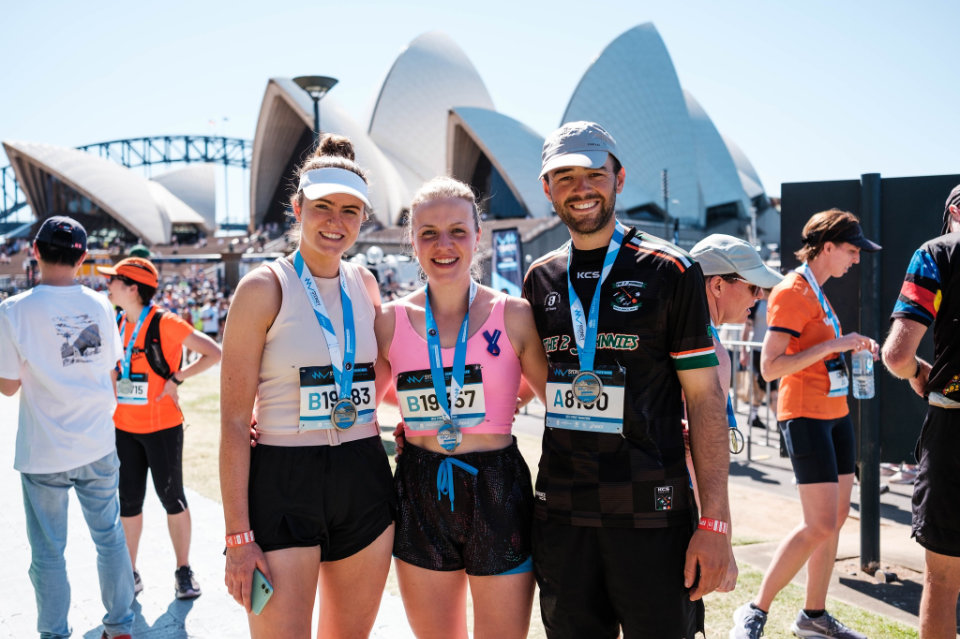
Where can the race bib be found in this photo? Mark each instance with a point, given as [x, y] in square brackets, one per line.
[132, 391]
[318, 395]
[564, 410]
[421, 409]
[839, 382]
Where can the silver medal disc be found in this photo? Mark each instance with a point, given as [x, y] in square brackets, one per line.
[449, 436]
[587, 387]
[344, 414]
[736, 441]
[124, 386]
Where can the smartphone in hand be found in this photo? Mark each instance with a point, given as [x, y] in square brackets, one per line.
[262, 591]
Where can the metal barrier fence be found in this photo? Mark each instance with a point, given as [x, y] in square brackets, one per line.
[729, 337]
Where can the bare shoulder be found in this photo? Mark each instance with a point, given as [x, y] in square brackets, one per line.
[370, 283]
[258, 294]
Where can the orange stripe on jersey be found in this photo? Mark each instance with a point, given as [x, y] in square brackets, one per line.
[542, 262]
[663, 254]
[693, 353]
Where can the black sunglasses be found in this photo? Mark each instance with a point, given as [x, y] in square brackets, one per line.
[754, 289]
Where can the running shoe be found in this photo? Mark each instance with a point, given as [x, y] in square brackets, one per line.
[186, 586]
[905, 475]
[756, 422]
[888, 469]
[824, 626]
[106, 636]
[137, 583]
[748, 622]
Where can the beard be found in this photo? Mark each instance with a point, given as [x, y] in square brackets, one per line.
[586, 225]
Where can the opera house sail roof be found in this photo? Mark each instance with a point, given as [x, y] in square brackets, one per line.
[59, 180]
[433, 115]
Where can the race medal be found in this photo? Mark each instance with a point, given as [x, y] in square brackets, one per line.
[420, 407]
[448, 402]
[124, 387]
[587, 387]
[449, 437]
[344, 414]
[736, 441]
[321, 408]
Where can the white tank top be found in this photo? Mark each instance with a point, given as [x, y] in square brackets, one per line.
[294, 340]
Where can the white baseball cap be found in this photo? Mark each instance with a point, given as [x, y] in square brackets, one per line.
[720, 254]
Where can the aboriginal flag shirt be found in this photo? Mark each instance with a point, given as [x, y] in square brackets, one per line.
[931, 295]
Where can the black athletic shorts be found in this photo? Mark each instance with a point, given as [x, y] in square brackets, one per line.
[479, 523]
[772, 385]
[596, 581]
[162, 453]
[820, 449]
[337, 497]
[936, 516]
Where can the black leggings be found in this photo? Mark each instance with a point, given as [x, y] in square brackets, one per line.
[162, 453]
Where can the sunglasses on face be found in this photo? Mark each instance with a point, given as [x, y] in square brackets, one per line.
[754, 289]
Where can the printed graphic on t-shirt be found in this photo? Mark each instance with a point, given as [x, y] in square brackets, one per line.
[81, 338]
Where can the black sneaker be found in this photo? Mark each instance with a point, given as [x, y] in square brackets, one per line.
[137, 583]
[758, 423]
[186, 586]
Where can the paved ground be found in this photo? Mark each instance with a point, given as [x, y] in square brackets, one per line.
[763, 500]
[160, 615]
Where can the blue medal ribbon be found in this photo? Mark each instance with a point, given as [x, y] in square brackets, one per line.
[731, 415]
[342, 364]
[128, 351]
[585, 328]
[804, 270]
[436, 355]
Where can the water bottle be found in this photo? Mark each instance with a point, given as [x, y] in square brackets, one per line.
[863, 387]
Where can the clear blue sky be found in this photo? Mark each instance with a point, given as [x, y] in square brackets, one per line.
[810, 90]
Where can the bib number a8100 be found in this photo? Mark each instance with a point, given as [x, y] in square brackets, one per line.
[603, 415]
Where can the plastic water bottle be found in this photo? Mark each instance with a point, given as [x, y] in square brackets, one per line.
[863, 386]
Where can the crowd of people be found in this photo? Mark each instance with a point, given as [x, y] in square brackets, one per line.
[628, 525]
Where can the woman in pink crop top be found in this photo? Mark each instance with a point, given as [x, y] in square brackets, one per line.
[311, 506]
[465, 500]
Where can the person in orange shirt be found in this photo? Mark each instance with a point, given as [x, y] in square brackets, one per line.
[148, 418]
[804, 348]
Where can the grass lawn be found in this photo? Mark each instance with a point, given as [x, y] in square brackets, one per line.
[200, 400]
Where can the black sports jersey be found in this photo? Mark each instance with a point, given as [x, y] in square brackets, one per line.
[931, 295]
[653, 321]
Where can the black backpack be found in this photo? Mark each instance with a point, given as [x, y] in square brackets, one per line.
[151, 347]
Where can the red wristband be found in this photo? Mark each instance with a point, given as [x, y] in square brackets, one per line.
[240, 539]
[714, 525]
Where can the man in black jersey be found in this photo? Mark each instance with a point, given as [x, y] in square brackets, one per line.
[930, 295]
[617, 544]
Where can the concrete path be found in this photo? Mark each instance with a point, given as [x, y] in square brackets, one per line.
[160, 615]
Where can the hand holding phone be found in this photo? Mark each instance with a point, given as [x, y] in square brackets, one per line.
[262, 591]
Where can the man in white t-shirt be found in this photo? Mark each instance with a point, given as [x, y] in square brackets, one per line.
[59, 346]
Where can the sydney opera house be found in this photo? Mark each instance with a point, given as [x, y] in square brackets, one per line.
[433, 115]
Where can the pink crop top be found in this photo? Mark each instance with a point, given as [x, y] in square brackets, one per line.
[501, 373]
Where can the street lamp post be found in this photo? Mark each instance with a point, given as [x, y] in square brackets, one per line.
[316, 86]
